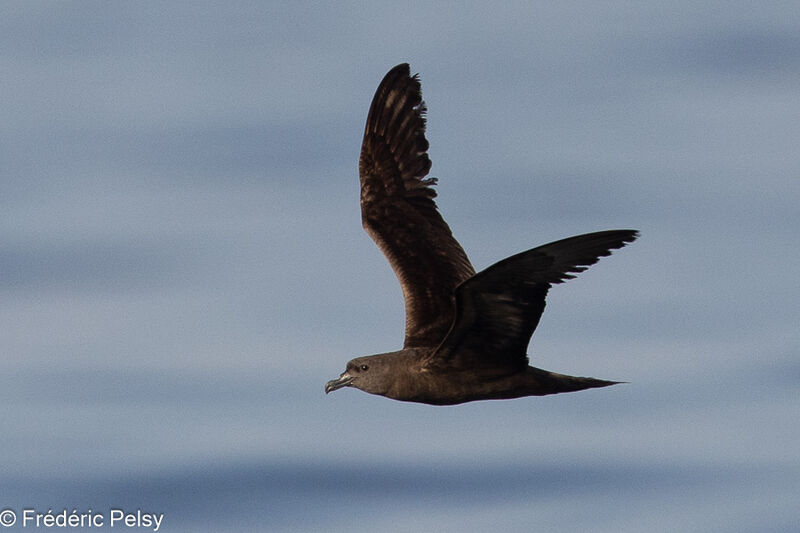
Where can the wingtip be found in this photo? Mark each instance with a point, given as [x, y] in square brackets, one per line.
[633, 234]
[623, 236]
[400, 70]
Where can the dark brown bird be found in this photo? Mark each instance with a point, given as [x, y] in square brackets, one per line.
[466, 334]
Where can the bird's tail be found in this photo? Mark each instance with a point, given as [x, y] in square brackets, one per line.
[543, 382]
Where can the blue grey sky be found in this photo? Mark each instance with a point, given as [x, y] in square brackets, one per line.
[182, 264]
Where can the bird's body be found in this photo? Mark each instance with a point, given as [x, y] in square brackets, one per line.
[408, 378]
[466, 334]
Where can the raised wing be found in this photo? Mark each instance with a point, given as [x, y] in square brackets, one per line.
[498, 309]
[399, 213]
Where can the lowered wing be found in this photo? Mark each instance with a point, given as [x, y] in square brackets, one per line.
[498, 309]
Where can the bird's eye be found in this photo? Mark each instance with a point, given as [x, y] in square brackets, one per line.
[364, 368]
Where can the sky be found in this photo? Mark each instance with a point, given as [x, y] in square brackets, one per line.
[182, 266]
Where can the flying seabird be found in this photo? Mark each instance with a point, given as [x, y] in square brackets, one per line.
[466, 334]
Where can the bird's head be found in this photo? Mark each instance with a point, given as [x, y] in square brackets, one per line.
[372, 373]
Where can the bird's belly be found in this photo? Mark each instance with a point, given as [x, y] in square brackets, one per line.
[456, 388]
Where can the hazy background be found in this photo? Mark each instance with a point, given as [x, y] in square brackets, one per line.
[182, 265]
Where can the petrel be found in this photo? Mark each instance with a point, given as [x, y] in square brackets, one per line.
[466, 334]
